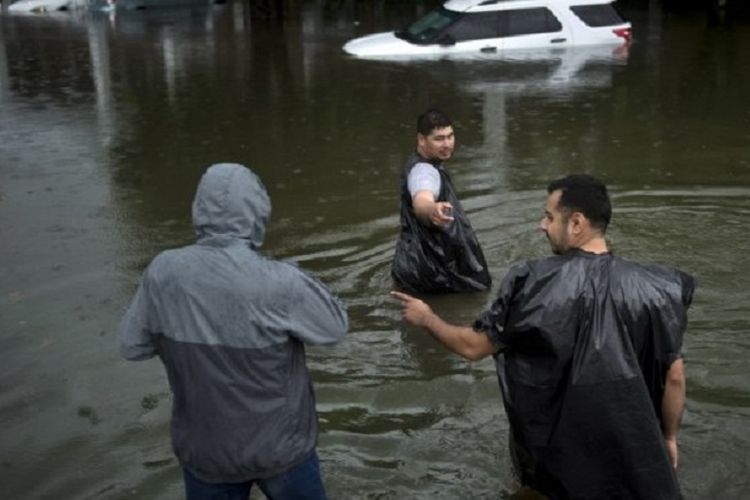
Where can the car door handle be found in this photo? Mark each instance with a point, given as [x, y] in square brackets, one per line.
[488, 49]
[558, 40]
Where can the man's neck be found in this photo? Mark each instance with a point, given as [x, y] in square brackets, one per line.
[596, 245]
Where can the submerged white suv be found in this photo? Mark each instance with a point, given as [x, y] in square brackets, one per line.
[465, 26]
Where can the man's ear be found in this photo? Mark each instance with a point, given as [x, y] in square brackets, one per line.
[577, 223]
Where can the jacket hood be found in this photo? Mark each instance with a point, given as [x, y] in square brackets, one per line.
[231, 201]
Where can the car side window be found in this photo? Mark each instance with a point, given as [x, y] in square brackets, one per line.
[475, 26]
[528, 21]
[597, 16]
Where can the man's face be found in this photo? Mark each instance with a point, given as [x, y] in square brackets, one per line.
[438, 145]
[555, 224]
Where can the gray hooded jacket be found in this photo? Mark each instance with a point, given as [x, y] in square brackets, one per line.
[230, 326]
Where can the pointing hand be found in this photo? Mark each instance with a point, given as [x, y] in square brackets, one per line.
[413, 310]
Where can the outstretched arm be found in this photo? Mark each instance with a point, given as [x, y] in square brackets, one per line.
[429, 211]
[672, 405]
[462, 340]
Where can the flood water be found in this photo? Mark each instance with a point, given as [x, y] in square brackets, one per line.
[107, 122]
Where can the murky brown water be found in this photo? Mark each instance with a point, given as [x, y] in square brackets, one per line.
[106, 124]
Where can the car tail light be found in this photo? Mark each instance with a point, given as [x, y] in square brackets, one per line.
[625, 33]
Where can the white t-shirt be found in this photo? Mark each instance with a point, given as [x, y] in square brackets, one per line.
[423, 177]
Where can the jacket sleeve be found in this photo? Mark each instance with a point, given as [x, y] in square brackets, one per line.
[135, 333]
[316, 316]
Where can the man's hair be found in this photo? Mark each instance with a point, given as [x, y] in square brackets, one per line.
[586, 194]
[432, 119]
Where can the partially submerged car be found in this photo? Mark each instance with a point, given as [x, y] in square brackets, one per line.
[39, 6]
[465, 26]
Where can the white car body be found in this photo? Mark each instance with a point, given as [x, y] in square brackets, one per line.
[38, 6]
[491, 26]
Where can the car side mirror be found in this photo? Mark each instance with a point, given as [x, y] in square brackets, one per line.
[446, 40]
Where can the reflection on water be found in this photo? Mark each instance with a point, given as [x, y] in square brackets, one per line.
[107, 121]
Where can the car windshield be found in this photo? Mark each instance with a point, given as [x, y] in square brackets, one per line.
[425, 29]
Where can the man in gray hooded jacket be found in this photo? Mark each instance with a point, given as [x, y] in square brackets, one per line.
[230, 327]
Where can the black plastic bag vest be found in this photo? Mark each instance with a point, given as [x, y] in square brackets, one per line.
[436, 259]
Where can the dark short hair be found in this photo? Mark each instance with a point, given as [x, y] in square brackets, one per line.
[432, 119]
[586, 194]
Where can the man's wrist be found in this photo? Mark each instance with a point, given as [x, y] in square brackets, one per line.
[428, 321]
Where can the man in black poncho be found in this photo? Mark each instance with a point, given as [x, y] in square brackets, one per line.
[437, 251]
[588, 349]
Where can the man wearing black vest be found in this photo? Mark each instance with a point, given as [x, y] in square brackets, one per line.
[437, 251]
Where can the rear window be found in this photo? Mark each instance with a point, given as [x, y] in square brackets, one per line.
[598, 15]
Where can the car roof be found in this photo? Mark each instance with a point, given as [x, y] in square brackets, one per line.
[463, 5]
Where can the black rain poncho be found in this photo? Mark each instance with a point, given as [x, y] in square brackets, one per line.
[434, 259]
[587, 341]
